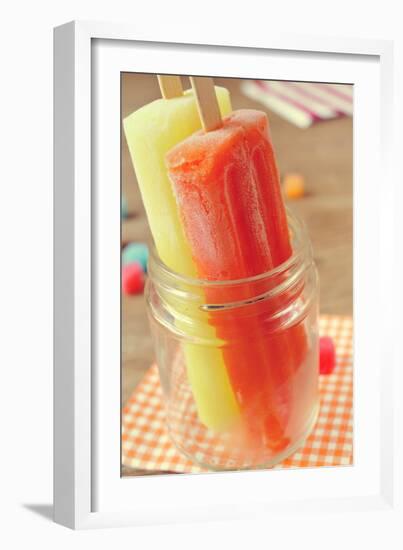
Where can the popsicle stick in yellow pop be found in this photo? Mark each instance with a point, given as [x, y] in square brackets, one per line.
[151, 132]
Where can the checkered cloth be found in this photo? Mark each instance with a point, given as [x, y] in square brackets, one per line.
[146, 444]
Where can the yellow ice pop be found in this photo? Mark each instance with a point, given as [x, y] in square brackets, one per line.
[150, 133]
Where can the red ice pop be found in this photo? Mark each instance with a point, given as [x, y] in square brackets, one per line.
[228, 192]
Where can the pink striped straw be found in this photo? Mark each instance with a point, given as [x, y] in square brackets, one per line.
[264, 85]
[310, 95]
[332, 91]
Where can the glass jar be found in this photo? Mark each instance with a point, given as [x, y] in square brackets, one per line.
[238, 360]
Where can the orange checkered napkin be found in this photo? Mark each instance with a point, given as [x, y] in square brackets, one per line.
[146, 444]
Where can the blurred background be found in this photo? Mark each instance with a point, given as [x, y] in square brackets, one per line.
[312, 132]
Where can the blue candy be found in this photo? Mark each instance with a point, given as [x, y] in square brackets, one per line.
[136, 252]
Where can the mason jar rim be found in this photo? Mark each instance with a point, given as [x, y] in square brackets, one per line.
[299, 249]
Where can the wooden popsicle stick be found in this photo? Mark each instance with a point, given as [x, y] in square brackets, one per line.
[170, 86]
[207, 103]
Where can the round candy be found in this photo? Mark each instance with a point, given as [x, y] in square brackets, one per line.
[136, 252]
[294, 186]
[124, 207]
[327, 355]
[132, 278]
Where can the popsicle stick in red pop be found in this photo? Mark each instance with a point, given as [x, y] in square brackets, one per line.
[207, 103]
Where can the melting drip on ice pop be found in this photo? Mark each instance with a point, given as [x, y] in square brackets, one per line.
[228, 193]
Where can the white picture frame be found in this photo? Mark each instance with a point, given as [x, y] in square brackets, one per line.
[88, 489]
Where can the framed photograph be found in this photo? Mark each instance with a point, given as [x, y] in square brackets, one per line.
[221, 249]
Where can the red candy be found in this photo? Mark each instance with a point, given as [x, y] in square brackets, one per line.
[327, 355]
[132, 278]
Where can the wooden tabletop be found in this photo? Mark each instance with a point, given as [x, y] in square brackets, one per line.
[322, 153]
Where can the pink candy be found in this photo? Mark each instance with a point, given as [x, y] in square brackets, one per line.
[327, 355]
[132, 278]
